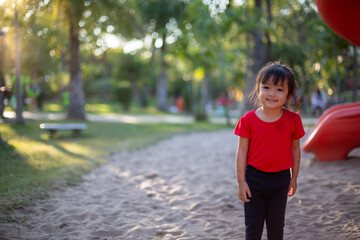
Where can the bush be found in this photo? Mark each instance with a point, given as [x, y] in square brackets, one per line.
[200, 114]
[124, 96]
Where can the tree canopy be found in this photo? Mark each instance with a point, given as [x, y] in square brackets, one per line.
[164, 49]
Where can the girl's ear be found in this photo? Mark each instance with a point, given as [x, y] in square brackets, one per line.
[288, 99]
[290, 95]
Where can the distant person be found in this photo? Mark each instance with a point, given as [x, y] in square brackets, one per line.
[221, 102]
[32, 92]
[318, 102]
[179, 102]
[268, 153]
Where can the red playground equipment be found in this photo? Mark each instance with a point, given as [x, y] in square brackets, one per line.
[336, 133]
[342, 16]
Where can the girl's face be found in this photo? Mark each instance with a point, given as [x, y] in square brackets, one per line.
[273, 96]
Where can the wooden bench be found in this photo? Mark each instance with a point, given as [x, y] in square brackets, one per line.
[54, 127]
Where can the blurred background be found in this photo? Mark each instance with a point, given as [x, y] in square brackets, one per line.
[195, 57]
[86, 60]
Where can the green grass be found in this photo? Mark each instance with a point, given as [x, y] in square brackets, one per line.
[32, 165]
[347, 95]
[104, 107]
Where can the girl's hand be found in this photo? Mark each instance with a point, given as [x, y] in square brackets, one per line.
[292, 187]
[243, 192]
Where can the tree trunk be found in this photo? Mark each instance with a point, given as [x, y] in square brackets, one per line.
[205, 90]
[355, 82]
[19, 100]
[161, 90]
[161, 83]
[338, 83]
[269, 48]
[200, 108]
[136, 91]
[2, 58]
[63, 60]
[259, 49]
[223, 85]
[1, 140]
[258, 55]
[76, 109]
[2, 80]
[249, 83]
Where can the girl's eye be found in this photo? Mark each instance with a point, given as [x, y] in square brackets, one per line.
[280, 90]
[265, 87]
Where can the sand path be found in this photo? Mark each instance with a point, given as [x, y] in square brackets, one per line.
[185, 188]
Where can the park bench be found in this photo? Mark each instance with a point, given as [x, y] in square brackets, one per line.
[54, 127]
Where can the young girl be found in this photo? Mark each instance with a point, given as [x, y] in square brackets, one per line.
[268, 154]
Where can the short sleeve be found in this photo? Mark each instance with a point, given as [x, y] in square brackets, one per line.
[242, 128]
[299, 129]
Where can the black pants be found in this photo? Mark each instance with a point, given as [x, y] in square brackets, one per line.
[267, 203]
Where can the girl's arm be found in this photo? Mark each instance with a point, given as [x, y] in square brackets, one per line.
[295, 169]
[241, 157]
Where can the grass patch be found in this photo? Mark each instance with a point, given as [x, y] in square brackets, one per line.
[32, 165]
[103, 107]
[53, 107]
[347, 95]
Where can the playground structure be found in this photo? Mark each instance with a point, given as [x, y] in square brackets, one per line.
[336, 133]
[342, 16]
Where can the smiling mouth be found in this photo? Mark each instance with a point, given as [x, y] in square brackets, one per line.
[271, 100]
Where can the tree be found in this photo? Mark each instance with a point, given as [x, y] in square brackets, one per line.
[226, 43]
[76, 108]
[160, 17]
[131, 70]
[93, 18]
[2, 79]
[2, 56]
[207, 26]
[259, 48]
[1, 140]
[249, 19]
[19, 100]
[198, 20]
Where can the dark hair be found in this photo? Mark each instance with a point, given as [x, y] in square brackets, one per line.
[275, 72]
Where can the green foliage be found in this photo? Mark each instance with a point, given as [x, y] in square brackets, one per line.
[292, 54]
[156, 14]
[198, 34]
[200, 114]
[124, 96]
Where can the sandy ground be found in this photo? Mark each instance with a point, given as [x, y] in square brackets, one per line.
[185, 188]
[131, 118]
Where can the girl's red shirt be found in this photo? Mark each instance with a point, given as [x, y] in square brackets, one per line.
[270, 143]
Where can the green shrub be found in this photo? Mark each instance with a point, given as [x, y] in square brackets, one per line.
[124, 96]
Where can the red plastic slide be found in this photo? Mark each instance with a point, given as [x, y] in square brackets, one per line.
[336, 133]
[342, 17]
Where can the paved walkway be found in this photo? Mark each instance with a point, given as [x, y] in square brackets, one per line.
[131, 118]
